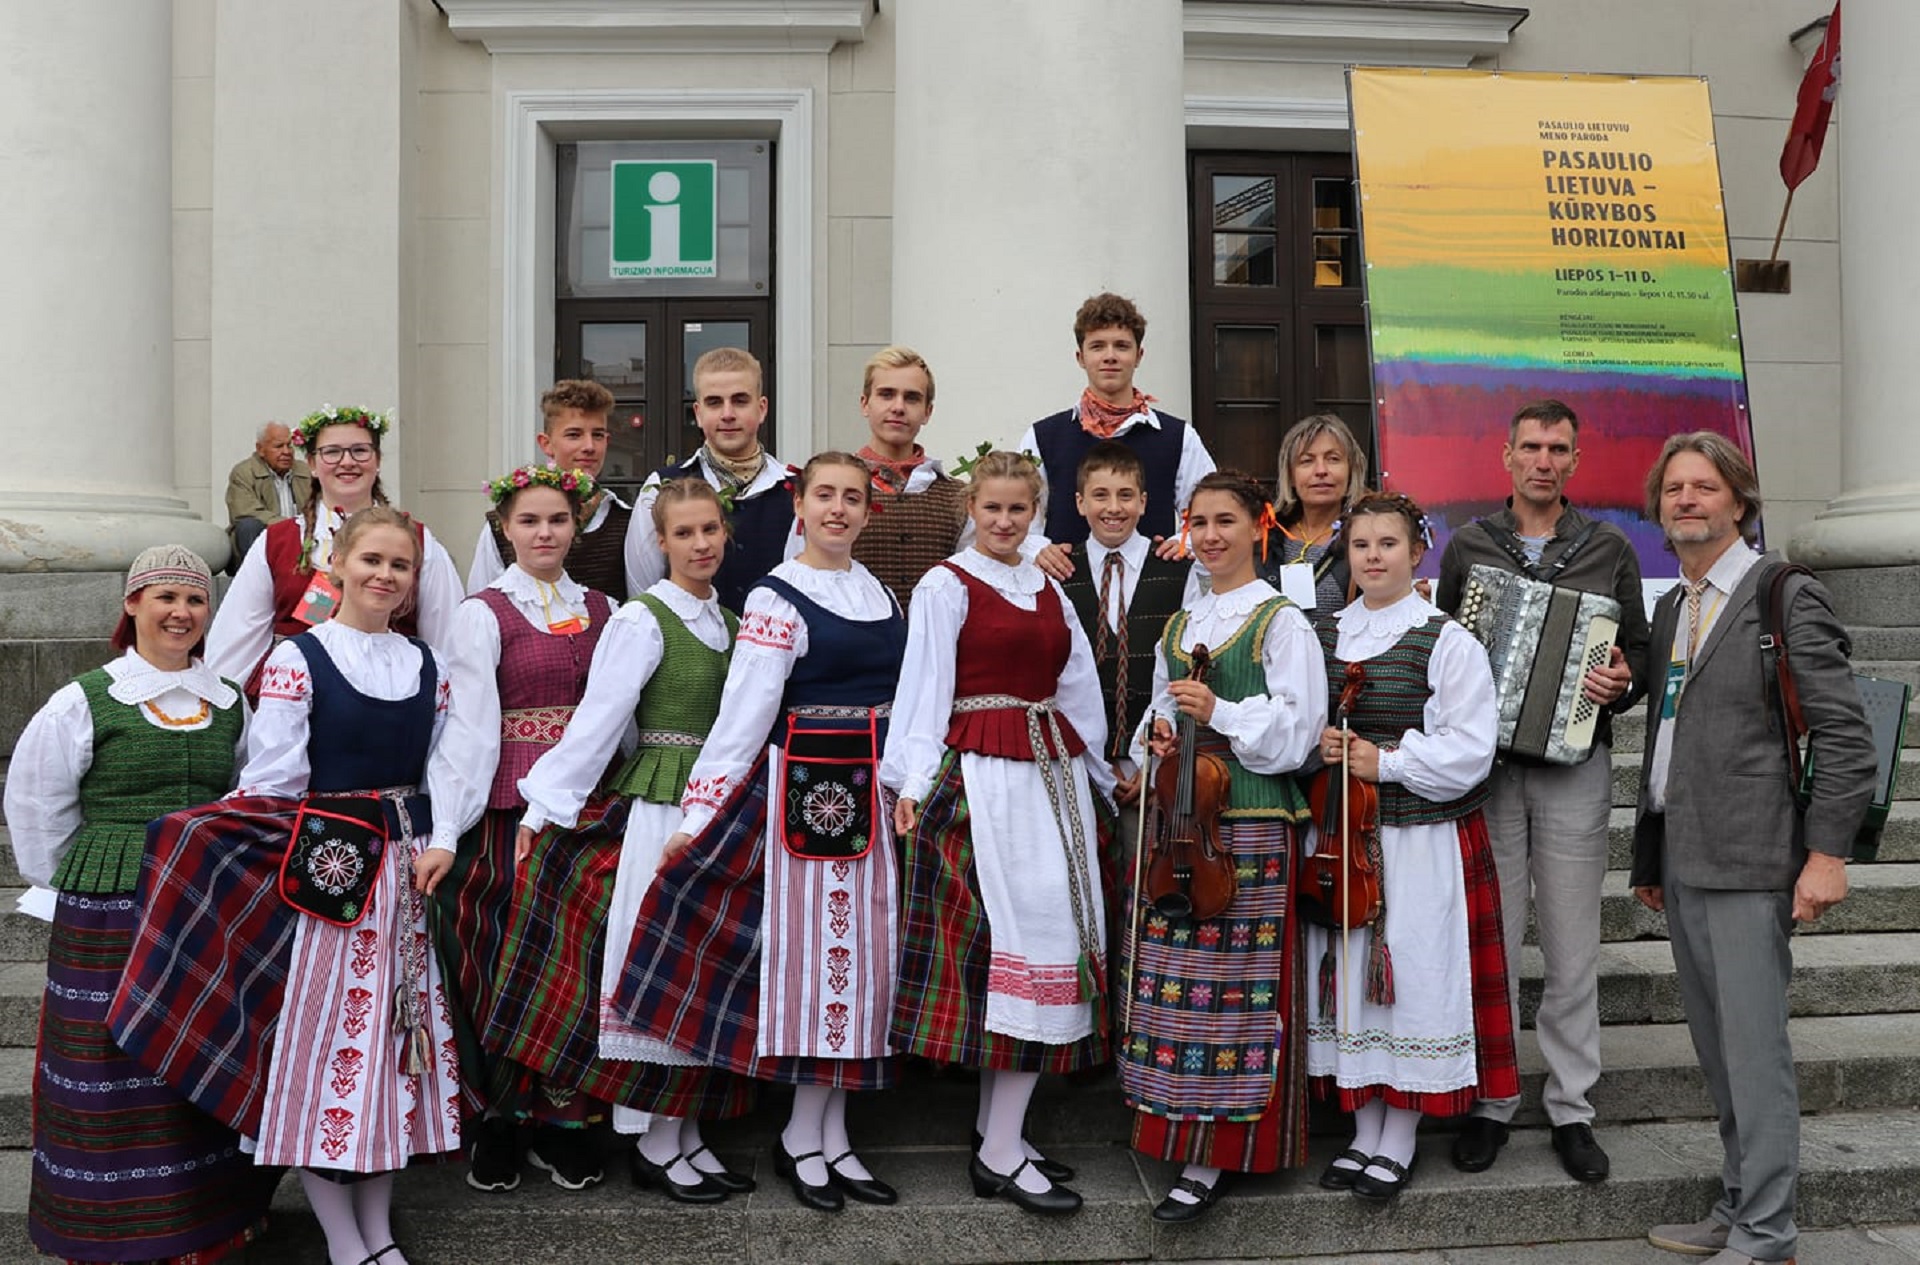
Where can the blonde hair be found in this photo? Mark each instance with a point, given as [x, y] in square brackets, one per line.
[729, 360]
[369, 518]
[896, 357]
[680, 492]
[1298, 438]
[1005, 465]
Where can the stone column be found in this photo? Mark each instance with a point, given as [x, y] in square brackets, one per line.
[86, 346]
[1873, 526]
[1039, 158]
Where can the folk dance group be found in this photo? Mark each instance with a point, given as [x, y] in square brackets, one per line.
[851, 778]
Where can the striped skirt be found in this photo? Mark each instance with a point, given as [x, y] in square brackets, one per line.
[124, 1169]
[940, 1002]
[693, 976]
[544, 1023]
[468, 917]
[1214, 1054]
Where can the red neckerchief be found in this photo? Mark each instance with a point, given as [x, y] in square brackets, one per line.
[896, 473]
[1097, 417]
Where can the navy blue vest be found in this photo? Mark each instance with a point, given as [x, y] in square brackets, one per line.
[358, 743]
[849, 662]
[760, 526]
[1063, 445]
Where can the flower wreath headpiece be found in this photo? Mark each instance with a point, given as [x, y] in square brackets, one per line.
[575, 483]
[308, 428]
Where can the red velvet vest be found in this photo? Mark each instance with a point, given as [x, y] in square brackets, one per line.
[290, 582]
[1005, 650]
[542, 678]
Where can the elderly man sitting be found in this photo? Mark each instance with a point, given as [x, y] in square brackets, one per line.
[268, 486]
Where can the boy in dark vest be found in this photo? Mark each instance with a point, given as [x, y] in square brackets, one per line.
[573, 437]
[1124, 594]
[920, 513]
[1111, 337]
[729, 404]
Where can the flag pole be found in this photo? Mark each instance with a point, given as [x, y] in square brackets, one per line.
[1781, 232]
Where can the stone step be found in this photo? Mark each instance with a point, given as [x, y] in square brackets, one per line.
[1858, 974]
[1899, 842]
[23, 938]
[1845, 1063]
[1884, 896]
[1626, 777]
[1857, 1169]
[1630, 729]
[1873, 644]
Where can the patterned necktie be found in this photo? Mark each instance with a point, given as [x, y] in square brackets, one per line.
[1695, 591]
[1113, 596]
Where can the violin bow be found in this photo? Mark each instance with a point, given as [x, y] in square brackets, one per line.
[1134, 904]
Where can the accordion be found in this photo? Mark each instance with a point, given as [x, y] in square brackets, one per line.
[1541, 639]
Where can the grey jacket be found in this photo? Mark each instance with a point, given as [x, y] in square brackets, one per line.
[1731, 822]
[1605, 565]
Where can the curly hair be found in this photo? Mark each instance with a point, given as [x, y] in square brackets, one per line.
[574, 393]
[1108, 311]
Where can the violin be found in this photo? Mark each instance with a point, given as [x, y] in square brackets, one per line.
[1339, 885]
[1191, 873]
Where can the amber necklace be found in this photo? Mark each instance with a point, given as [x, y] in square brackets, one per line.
[180, 722]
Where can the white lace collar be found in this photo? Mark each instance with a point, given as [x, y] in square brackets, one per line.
[684, 604]
[521, 587]
[136, 681]
[1410, 611]
[1023, 579]
[1235, 602]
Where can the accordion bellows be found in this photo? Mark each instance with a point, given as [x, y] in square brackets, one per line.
[1541, 640]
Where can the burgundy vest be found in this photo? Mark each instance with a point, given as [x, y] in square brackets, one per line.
[986, 663]
[282, 543]
[542, 678]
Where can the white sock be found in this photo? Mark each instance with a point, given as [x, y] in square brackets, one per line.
[332, 1206]
[1368, 1120]
[1001, 1147]
[373, 1209]
[1194, 1173]
[834, 1140]
[986, 1101]
[1396, 1141]
[805, 1127]
[660, 1144]
[691, 1142]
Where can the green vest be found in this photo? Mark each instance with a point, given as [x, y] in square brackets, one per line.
[676, 709]
[140, 771]
[1238, 673]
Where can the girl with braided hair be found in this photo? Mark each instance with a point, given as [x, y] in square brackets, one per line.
[1409, 1016]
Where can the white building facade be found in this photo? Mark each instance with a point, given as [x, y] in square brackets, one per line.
[221, 212]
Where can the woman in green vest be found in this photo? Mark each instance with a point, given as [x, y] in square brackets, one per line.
[1213, 1056]
[660, 665]
[124, 1168]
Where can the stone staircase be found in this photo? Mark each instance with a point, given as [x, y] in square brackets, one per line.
[1856, 1036]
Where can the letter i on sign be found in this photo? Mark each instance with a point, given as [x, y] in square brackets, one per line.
[664, 189]
[664, 219]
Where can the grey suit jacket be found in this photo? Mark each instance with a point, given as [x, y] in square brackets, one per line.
[1731, 821]
[250, 490]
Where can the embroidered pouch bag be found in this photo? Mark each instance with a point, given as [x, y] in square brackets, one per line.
[828, 791]
[334, 856]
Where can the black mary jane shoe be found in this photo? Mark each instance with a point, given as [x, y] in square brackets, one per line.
[1367, 1186]
[374, 1258]
[726, 1179]
[868, 1190]
[1054, 1201]
[650, 1176]
[1171, 1211]
[822, 1198]
[1335, 1177]
[1053, 1170]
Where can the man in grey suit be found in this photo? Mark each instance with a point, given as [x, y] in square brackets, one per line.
[1720, 842]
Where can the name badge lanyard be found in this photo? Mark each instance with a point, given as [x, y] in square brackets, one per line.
[573, 623]
[1695, 635]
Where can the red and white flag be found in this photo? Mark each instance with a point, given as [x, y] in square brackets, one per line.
[1808, 131]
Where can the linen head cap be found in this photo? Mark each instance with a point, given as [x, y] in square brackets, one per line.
[169, 564]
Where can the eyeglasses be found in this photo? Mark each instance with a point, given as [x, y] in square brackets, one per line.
[334, 454]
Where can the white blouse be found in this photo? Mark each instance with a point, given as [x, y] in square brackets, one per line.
[1273, 732]
[629, 653]
[55, 751]
[460, 775]
[380, 665]
[923, 705]
[1462, 720]
[243, 625]
[773, 637]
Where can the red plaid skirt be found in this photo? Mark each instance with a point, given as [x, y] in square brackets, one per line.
[203, 987]
[1499, 1069]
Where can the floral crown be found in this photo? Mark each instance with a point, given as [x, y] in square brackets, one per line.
[308, 428]
[575, 483]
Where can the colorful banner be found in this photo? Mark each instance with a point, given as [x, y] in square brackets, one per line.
[1543, 235]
